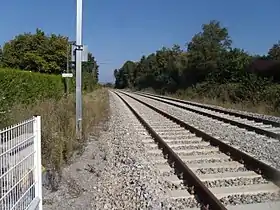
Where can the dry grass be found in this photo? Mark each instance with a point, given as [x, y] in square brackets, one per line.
[58, 124]
[260, 108]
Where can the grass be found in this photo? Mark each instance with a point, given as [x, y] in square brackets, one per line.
[260, 108]
[58, 124]
[266, 107]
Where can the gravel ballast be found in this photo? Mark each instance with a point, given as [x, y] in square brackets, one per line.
[153, 119]
[263, 116]
[114, 171]
[261, 147]
[223, 115]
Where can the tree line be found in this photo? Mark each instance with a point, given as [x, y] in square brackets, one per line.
[209, 56]
[210, 67]
[43, 53]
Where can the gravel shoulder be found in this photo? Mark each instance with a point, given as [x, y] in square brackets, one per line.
[113, 172]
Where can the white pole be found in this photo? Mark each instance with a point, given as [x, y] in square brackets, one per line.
[78, 70]
[37, 160]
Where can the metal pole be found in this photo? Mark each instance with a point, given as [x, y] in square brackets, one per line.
[78, 70]
[67, 69]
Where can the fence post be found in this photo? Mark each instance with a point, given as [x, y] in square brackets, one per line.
[38, 161]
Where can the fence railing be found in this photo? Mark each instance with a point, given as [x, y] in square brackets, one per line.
[20, 166]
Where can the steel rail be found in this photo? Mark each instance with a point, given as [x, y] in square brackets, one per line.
[206, 197]
[229, 112]
[232, 122]
[269, 172]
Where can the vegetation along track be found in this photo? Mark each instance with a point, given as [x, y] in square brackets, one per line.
[208, 173]
[259, 125]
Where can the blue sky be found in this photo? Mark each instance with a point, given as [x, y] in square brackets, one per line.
[120, 30]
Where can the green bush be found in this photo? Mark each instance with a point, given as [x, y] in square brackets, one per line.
[24, 87]
[88, 82]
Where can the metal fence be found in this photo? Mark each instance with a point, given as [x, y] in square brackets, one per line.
[20, 166]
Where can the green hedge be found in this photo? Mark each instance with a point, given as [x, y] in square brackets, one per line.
[24, 87]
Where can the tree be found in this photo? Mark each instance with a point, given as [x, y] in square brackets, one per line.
[90, 73]
[209, 59]
[233, 68]
[119, 79]
[129, 72]
[91, 67]
[108, 85]
[46, 54]
[36, 52]
[274, 52]
[1, 55]
[205, 50]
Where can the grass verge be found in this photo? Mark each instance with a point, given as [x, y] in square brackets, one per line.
[58, 124]
[260, 107]
[266, 101]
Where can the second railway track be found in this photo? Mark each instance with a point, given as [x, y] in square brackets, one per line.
[259, 125]
[208, 172]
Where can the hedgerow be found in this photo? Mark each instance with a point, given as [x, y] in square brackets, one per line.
[25, 87]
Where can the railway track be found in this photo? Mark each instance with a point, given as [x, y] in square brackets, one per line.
[256, 124]
[201, 171]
